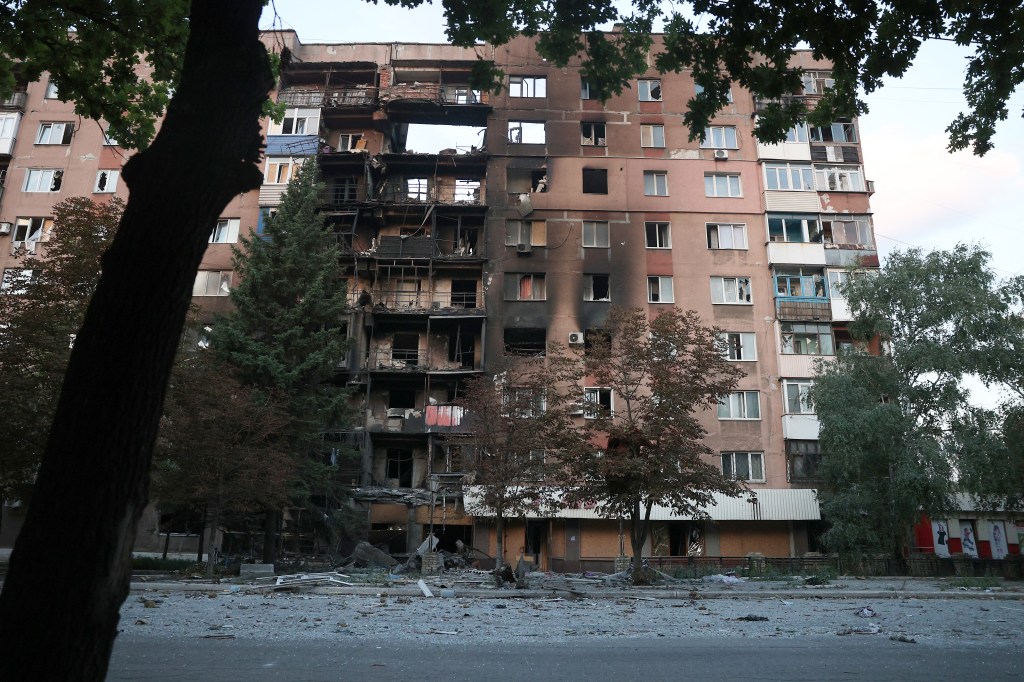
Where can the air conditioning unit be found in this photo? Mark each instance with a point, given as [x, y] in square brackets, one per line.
[576, 338]
[524, 248]
[5, 228]
[722, 154]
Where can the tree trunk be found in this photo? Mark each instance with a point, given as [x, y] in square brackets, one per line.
[167, 543]
[639, 528]
[499, 557]
[202, 538]
[92, 484]
[212, 530]
[270, 523]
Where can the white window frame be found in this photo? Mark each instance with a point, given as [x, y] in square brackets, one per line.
[731, 291]
[720, 137]
[212, 283]
[655, 183]
[279, 170]
[598, 134]
[725, 185]
[740, 406]
[35, 178]
[649, 90]
[527, 86]
[737, 236]
[51, 90]
[788, 177]
[816, 82]
[862, 226]
[298, 121]
[585, 90]
[592, 396]
[538, 288]
[658, 231]
[839, 178]
[698, 89]
[810, 228]
[417, 189]
[109, 185]
[790, 331]
[731, 471]
[28, 232]
[225, 231]
[652, 135]
[596, 234]
[15, 277]
[660, 289]
[526, 132]
[739, 346]
[588, 288]
[839, 131]
[55, 133]
[797, 134]
[797, 391]
[347, 141]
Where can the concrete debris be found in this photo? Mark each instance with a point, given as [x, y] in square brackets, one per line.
[871, 629]
[903, 638]
[753, 618]
[724, 579]
[424, 589]
[366, 554]
[865, 612]
[307, 580]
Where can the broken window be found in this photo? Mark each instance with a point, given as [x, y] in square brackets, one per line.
[298, 121]
[596, 288]
[806, 338]
[592, 134]
[730, 290]
[597, 402]
[526, 233]
[399, 467]
[461, 94]
[592, 337]
[15, 281]
[30, 231]
[652, 135]
[720, 137]
[743, 466]
[524, 402]
[794, 228]
[461, 347]
[467, 191]
[797, 133]
[345, 190]
[106, 181]
[816, 82]
[51, 90]
[789, 176]
[527, 86]
[658, 235]
[55, 133]
[840, 131]
[839, 178]
[43, 180]
[798, 396]
[739, 346]
[722, 185]
[699, 89]
[804, 458]
[727, 236]
[524, 287]
[225, 231]
[656, 183]
[800, 282]
[405, 349]
[852, 230]
[528, 342]
[525, 132]
[417, 189]
[212, 283]
[349, 142]
[279, 170]
[649, 90]
[595, 234]
[464, 293]
[740, 405]
[659, 290]
[585, 89]
[595, 181]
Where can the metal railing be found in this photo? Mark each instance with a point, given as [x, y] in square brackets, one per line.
[442, 194]
[339, 98]
[433, 92]
[421, 301]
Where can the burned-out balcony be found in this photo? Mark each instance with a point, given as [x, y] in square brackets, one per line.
[420, 302]
[423, 191]
[441, 418]
[412, 360]
[361, 96]
[342, 192]
[417, 102]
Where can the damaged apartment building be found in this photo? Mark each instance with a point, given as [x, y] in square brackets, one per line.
[560, 206]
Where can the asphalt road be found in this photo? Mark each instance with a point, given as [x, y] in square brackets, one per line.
[151, 658]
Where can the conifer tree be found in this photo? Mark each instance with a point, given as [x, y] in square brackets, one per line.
[284, 334]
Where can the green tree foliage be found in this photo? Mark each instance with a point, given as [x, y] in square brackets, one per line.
[662, 373]
[41, 314]
[898, 428]
[285, 334]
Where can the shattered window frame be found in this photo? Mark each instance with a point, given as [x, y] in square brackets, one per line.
[593, 284]
[649, 89]
[731, 291]
[527, 86]
[660, 289]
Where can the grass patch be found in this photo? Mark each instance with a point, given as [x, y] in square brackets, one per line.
[972, 583]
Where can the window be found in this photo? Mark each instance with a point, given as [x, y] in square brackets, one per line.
[585, 89]
[658, 235]
[596, 288]
[649, 90]
[55, 133]
[417, 189]
[797, 133]
[652, 135]
[467, 190]
[524, 402]
[794, 228]
[804, 458]
[854, 230]
[15, 281]
[279, 170]
[656, 183]
[597, 402]
[730, 290]
[798, 396]
[592, 134]
[659, 290]
[212, 283]
[806, 338]
[720, 137]
[225, 231]
[595, 181]
[595, 234]
[789, 176]
[109, 140]
[837, 132]
[740, 405]
[527, 342]
[727, 236]
[816, 82]
[524, 287]
[739, 346]
[722, 185]
[30, 231]
[699, 89]
[525, 132]
[839, 178]
[743, 466]
[51, 90]
[349, 141]
[43, 180]
[800, 282]
[399, 466]
[106, 181]
[298, 122]
[526, 233]
[527, 86]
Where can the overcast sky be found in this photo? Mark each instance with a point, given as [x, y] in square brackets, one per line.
[924, 196]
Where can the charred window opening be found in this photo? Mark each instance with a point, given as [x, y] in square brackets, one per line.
[595, 181]
[598, 337]
[592, 134]
[399, 467]
[526, 342]
[402, 399]
[405, 348]
[463, 293]
[461, 347]
[596, 288]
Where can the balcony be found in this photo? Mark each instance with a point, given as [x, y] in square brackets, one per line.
[419, 302]
[455, 95]
[331, 99]
[17, 101]
[465, 193]
[343, 193]
[443, 418]
[389, 359]
[800, 426]
[435, 103]
[803, 253]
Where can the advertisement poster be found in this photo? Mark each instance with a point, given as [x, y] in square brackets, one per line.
[998, 542]
[967, 540]
[940, 538]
